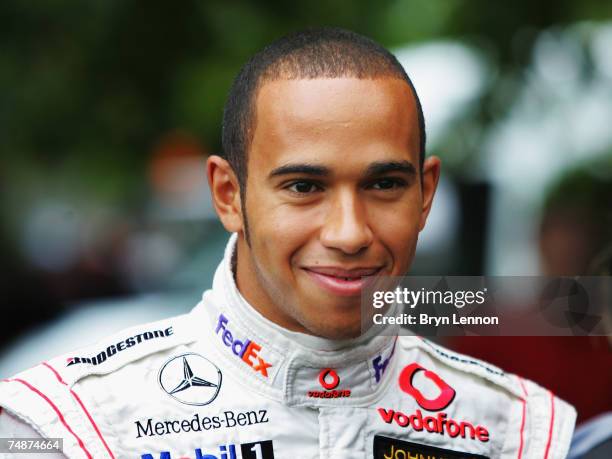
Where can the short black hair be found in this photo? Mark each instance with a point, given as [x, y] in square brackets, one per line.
[312, 53]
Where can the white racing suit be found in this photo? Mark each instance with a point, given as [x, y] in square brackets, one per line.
[222, 382]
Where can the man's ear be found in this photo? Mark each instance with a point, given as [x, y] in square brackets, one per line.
[225, 192]
[430, 177]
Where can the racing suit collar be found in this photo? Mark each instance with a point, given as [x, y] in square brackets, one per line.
[297, 368]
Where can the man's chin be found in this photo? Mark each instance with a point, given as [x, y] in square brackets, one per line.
[336, 329]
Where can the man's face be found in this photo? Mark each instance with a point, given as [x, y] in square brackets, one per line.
[333, 195]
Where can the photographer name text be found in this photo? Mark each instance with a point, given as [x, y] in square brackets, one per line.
[426, 319]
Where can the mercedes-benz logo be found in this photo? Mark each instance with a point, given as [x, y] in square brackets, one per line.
[190, 379]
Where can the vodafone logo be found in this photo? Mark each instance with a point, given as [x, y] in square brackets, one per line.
[329, 379]
[447, 393]
[442, 423]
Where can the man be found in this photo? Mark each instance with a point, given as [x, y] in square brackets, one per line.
[324, 185]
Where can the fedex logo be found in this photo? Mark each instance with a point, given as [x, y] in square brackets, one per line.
[246, 350]
[380, 365]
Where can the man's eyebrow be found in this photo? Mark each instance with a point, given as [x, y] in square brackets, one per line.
[307, 169]
[384, 167]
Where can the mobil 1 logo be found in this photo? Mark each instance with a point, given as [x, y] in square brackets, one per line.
[255, 450]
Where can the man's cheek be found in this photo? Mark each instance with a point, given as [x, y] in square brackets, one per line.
[399, 231]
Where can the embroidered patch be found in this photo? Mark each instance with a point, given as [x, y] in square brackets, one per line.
[392, 448]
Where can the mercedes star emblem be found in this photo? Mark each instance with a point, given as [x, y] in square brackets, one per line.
[190, 379]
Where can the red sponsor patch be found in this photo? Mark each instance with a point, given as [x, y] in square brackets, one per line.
[329, 380]
[440, 424]
[447, 393]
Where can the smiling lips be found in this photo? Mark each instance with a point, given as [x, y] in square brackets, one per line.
[339, 281]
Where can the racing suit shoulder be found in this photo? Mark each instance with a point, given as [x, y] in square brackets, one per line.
[44, 397]
[463, 363]
[545, 423]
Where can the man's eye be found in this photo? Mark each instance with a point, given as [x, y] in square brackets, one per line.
[388, 184]
[303, 187]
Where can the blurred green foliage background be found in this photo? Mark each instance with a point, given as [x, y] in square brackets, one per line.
[94, 93]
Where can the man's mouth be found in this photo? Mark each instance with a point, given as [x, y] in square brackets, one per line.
[341, 281]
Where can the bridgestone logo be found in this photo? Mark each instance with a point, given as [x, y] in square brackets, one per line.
[121, 346]
[227, 419]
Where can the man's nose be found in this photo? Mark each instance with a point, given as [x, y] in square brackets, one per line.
[346, 227]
